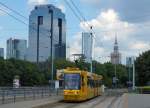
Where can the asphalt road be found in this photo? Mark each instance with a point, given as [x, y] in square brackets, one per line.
[138, 100]
[98, 102]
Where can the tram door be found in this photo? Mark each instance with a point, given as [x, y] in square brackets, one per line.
[84, 85]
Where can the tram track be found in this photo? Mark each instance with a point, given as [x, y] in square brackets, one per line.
[112, 103]
[57, 104]
[99, 102]
[61, 104]
[88, 103]
[49, 105]
[107, 101]
[92, 103]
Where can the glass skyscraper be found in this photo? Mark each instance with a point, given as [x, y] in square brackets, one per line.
[2, 52]
[16, 48]
[46, 22]
[87, 41]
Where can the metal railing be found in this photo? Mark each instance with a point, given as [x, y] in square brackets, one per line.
[115, 92]
[9, 94]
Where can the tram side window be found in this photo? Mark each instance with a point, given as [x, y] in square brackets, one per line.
[99, 83]
[82, 81]
[93, 83]
[96, 83]
[90, 83]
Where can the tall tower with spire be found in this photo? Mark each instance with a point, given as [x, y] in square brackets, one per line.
[116, 55]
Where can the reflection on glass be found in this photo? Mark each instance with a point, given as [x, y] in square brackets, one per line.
[72, 81]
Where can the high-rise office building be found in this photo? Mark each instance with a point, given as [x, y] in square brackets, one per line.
[129, 61]
[115, 55]
[87, 41]
[46, 22]
[2, 52]
[16, 48]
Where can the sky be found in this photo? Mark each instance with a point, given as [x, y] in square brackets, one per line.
[129, 20]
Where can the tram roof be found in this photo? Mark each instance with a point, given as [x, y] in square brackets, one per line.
[77, 70]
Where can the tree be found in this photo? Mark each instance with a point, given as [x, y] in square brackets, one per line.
[142, 68]
[28, 72]
[31, 74]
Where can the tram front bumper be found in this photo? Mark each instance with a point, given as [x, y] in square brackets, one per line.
[73, 98]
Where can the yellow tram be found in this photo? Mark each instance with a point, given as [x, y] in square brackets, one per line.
[81, 85]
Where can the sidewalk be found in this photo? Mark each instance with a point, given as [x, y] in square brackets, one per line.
[32, 103]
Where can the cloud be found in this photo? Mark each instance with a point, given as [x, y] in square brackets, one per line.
[62, 7]
[75, 45]
[139, 45]
[37, 2]
[91, 2]
[106, 26]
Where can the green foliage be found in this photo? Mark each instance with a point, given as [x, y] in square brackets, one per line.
[142, 68]
[62, 64]
[107, 70]
[31, 74]
[27, 72]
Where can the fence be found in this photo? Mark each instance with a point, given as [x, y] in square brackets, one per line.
[115, 92]
[9, 95]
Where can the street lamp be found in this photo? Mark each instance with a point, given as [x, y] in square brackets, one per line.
[133, 63]
[51, 42]
[92, 47]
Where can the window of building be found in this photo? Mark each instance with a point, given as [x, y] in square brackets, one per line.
[60, 30]
[40, 20]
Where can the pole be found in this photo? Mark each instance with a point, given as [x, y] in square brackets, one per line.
[51, 37]
[37, 56]
[129, 73]
[133, 87]
[115, 75]
[115, 70]
[91, 50]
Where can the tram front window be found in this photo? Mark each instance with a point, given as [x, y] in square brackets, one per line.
[72, 81]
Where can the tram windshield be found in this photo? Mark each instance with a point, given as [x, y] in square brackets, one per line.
[72, 81]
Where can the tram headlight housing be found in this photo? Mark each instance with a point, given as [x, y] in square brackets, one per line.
[65, 93]
[76, 92]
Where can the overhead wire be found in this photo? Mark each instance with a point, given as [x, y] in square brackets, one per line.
[13, 11]
[74, 12]
[84, 19]
[136, 18]
[13, 17]
[17, 19]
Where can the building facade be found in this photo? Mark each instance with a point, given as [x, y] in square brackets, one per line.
[2, 52]
[129, 61]
[116, 55]
[16, 48]
[87, 41]
[47, 33]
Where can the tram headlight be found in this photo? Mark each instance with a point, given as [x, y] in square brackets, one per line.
[65, 93]
[76, 92]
